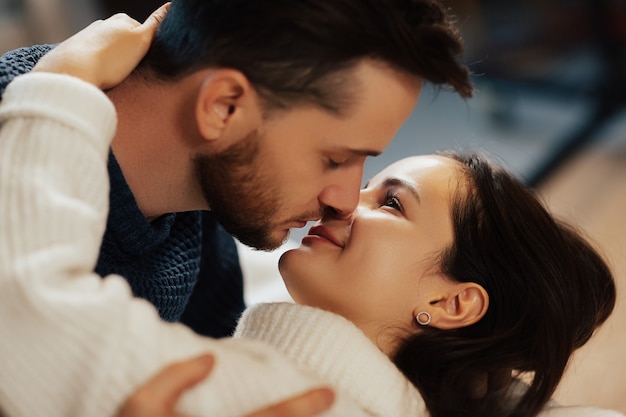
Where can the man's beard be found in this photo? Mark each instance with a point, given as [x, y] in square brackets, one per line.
[241, 197]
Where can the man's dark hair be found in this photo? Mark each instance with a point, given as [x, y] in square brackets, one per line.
[294, 51]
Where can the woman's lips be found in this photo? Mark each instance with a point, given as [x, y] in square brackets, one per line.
[326, 234]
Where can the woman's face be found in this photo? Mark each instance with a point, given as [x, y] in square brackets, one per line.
[378, 268]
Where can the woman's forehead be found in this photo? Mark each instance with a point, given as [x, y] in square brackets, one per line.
[418, 167]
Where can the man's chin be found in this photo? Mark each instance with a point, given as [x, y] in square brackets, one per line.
[267, 242]
[275, 240]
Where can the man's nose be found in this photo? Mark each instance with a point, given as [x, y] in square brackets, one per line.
[342, 197]
[330, 213]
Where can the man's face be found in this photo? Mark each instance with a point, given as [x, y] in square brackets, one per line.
[305, 160]
[376, 267]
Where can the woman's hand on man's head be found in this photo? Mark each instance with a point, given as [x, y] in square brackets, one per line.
[106, 51]
[159, 396]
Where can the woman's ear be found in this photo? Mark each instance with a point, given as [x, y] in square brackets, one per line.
[222, 96]
[463, 304]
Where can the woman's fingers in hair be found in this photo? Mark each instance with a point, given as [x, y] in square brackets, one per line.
[154, 20]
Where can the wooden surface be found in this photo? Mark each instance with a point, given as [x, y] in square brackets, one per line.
[590, 191]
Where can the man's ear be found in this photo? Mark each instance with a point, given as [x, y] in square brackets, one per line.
[221, 101]
[463, 304]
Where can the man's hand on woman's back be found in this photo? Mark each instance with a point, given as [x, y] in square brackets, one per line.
[158, 397]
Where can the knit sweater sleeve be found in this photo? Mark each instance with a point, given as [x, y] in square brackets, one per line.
[72, 344]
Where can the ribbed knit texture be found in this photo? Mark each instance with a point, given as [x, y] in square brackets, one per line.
[338, 351]
[19, 61]
[161, 260]
[36, 243]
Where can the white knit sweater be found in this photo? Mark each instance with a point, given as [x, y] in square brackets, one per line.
[73, 344]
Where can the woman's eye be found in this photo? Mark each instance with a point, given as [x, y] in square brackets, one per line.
[392, 201]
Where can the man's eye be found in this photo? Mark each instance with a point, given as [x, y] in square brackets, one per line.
[333, 164]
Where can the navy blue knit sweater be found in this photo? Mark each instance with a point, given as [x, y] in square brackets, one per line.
[183, 263]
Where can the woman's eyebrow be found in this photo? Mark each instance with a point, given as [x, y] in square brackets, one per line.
[399, 182]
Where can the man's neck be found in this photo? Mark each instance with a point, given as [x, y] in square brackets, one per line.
[155, 125]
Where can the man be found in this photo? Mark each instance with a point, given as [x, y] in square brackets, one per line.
[262, 113]
[254, 111]
[257, 115]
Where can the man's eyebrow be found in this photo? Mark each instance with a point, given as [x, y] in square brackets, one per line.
[399, 182]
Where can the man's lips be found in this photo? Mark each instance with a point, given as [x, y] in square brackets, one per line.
[326, 234]
[299, 224]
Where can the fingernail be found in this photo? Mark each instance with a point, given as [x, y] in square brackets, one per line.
[206, 360]
[326, 397]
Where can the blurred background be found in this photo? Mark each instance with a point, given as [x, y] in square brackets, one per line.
[550, 106]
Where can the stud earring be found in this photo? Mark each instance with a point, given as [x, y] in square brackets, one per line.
[423, 318]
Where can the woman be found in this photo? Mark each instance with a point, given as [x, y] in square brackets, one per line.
[457, 272]
[448, 277]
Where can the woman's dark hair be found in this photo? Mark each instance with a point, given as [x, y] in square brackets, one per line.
[296, 51]
[548, 291]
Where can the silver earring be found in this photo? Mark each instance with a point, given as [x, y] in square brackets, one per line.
[423, 318]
